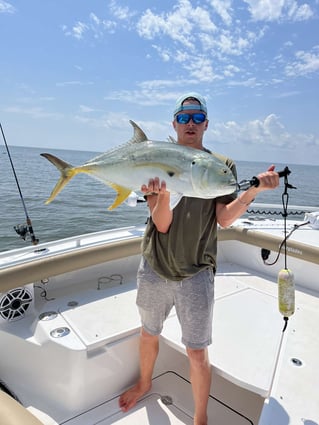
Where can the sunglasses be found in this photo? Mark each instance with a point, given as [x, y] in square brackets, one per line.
[197, 118]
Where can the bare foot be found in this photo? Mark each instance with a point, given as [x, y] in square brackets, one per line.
[130, 397]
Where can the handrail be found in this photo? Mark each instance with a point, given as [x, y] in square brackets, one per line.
[272, 242]
[53, 265]
[48, 265]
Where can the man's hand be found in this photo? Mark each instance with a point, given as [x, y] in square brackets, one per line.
[268, 180]
[158, 200]
[154, 187]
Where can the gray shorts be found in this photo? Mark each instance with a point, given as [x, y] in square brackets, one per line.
[193, 299]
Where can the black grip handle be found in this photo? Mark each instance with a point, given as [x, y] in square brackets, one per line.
[283, 173]
[246, 184]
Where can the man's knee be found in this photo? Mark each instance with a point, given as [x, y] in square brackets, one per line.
[148, 336]
[198, 357]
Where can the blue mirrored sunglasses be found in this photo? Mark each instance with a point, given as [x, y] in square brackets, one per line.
[197, 118]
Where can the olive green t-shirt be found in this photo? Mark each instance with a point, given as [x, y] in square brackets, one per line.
[190, 245]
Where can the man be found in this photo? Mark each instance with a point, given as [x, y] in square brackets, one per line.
[179, 262]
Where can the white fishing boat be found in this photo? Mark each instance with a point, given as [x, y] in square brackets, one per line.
[69, 331]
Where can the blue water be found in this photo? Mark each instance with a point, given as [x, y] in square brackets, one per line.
[82, 205]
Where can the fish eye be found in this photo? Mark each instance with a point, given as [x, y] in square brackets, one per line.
[194, 162]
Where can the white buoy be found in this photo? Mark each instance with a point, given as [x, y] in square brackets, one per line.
[286, 292]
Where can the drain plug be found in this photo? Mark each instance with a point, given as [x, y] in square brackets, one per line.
[167, 400]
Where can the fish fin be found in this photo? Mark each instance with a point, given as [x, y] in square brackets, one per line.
[174, 199]
[122, 194]
[67, 172]
[139, 135]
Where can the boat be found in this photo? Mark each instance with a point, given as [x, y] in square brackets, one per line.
[69, 331]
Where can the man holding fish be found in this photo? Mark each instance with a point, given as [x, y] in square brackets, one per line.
[179, 261]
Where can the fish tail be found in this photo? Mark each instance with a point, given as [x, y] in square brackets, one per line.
[67, 172]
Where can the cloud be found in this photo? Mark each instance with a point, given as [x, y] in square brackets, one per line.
[268, 132]
[201, 40]
[6, 7]
[274, 10]
[94, 26]
[86, 109]
[250, 82]
[119, 12]
[77, 31]
[223, 9]
[306, 63]
[73, 83]
[33, 112]
[181, 25]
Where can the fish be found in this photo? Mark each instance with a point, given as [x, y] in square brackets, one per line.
[186, 171]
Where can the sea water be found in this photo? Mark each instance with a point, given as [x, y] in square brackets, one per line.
[82, 205]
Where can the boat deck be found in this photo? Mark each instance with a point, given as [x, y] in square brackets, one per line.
[169, 402]
[252, 359]
[249, 350]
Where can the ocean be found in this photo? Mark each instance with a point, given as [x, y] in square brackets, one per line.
[82, 205]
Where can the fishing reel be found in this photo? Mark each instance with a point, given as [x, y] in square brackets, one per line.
[25, 232]
[22, 230]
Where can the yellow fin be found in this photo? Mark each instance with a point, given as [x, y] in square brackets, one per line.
[67, 172]
[122, 194]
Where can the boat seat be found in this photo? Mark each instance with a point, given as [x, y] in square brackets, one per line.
[247, 329]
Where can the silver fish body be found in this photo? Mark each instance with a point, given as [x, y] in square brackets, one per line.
[186, 171]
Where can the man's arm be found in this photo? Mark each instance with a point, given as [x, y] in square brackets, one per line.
[227, 213]
[158, 200]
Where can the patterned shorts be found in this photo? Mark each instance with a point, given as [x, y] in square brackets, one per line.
[193, 299]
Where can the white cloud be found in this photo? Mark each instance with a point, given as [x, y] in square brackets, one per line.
[195, 40]
[231, 70]
[268, 132]
[250, 82]
[201, 68]
[274, 10]
[33, 112]
[305, 63]
[265, 10]
[77, 30]
[94, 25]
[303, 13]
[223, 9]
[6, 7]
[181, 25]
[86, 109]
[163, 52]
[119, 12]
[73, 83]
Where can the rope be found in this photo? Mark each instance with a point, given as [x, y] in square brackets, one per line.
[267, 212]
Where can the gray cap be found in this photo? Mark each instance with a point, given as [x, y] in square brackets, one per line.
[180, 107]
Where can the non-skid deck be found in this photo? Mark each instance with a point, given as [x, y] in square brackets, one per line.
[168, 403]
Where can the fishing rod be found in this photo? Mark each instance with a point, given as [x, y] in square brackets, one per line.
[20, 229]
[254, 181]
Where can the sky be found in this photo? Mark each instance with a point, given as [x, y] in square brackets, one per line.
[74, 72]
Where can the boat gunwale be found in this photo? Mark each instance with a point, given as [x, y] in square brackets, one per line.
[53, 264]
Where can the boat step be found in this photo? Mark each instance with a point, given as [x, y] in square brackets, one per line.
[169, 402]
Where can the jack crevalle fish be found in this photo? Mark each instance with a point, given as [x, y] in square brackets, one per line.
[186, 171]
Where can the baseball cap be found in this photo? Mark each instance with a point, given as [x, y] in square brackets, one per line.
[180, 107]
